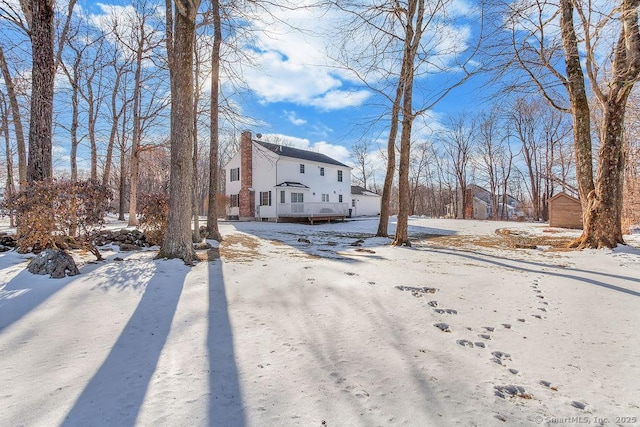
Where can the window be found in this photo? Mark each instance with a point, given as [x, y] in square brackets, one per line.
[339, 198]
[321, 171]
[325, 197]
[339, 176]
[234, 174]
[301, 168]
[282, 196]
[234, 200]
[297, 197]
[353, 203]
[265, 198]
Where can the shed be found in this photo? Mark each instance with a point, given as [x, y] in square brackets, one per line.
[565, 211]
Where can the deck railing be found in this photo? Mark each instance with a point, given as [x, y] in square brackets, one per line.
[313, 209]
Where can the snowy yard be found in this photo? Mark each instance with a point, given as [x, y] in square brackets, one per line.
[298, 325]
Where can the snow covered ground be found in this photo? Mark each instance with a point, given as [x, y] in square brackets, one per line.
[293, 324]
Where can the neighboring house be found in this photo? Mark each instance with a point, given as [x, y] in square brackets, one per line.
[268, 182]
[482, 208]
[478, 205]
[565, 211]
[364, 202]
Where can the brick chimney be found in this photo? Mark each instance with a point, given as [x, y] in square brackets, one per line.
[247, 194]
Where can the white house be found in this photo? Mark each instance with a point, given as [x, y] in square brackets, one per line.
[364, 202]
[268, 182]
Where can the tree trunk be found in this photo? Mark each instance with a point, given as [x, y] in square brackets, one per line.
[135, 140]
[413, 36]
[213, 231]
[40, 165]
[17, 121]
[602, 220]
[195, 202]
[115, 121]
[602, 201]
[92, 118]
[177, 241]
[580, 110]
[123, 186]
[74, 126]
[10, 187]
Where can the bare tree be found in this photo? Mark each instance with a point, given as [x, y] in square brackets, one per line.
[457, 142]
[16, 118]
[540, 51]
[214, 142]
[490, 148]
[141, 37]
[361, 154]
[4, 126]
[407, 45]
[178, 239]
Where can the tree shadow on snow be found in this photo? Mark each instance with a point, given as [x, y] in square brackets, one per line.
[115, 394]
[535, 268]
[225, 401]
[26, 291]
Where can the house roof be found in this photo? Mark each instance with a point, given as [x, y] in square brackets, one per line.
[361, 191]
[485, 195]
[564, 195]
[297, 153]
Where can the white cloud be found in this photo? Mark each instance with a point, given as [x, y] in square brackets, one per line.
[336, 99]
[291, 65]
[293, 118]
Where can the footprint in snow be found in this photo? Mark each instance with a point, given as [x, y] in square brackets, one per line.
[418, 292]
[433, 303]
[485, 336]
[465, 343]
[489, 328]
[548, 385]
[499, 357]
[504, 391]
[578, 405]
[445, 311]
[443, 327]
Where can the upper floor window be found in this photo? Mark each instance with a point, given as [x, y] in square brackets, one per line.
[301, 168]
[339, 176]
[321, 171]
[340, 198]
[325, 197]
[234, 174]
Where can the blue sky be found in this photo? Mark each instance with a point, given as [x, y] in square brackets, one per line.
[299, 96]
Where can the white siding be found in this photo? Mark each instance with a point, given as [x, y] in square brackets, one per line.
[232, 187]
[270, 169]
[265, 164]
[365, 205]
[289, 170]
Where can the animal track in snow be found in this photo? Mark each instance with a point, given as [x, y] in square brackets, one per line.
[504, 391]
[418, 292]
[443, 327]
[445, 311]
[499, 357]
